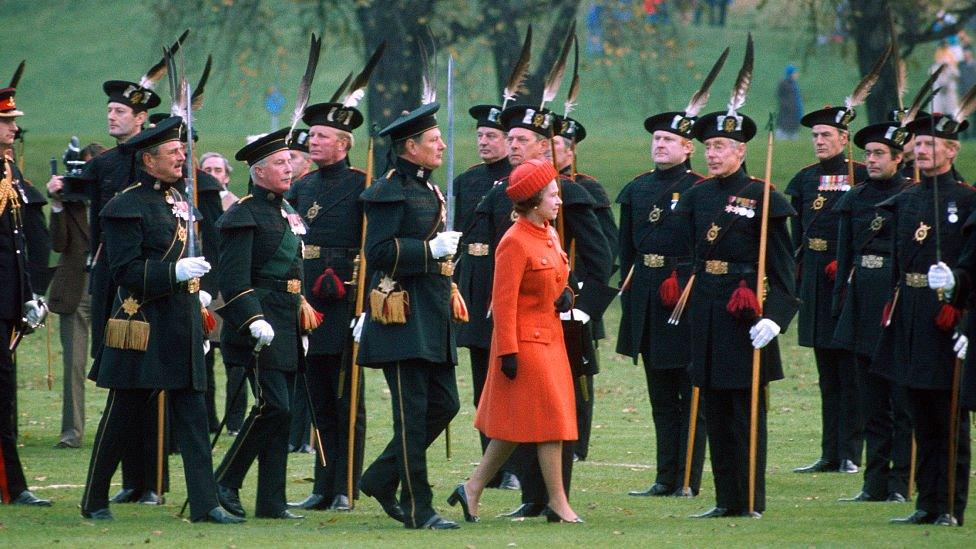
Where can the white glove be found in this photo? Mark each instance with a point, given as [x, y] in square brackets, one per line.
[262, 332]
[941, 278]
[206, 346]
[305, 344]
[205, 298]
[35, 311]
[357, 327]
[961, 346]
[444, 244]
[191, 267]
[576, 315]
[763, 332]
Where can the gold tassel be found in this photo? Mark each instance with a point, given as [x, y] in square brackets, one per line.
[397, 307]
[459, 310]
[310, 318]
[376, 300]
[679, 307]
[137, 336]
[115, 333]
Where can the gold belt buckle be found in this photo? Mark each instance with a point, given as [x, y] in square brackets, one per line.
[312, 252]
[917, 280]
[716, 267]
[447, 268]
[294, 286]
[478, 249]
[653, 261]
[193, 285]
[817, 244]
[872, 261]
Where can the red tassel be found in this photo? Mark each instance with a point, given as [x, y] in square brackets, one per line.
[886, 314]
[831, 270]
[209, 322]
[743, 305]
[309, 318]
[947, 318]
[459, 310]
[328, 286]
[670, 291]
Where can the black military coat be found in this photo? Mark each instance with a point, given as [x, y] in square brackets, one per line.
[107, 173]
[25, 247]
[260, 278]
[604, 214]
[654, 241]
[328, 201]
[144, 234]
[404, 210]
[208, 202]
[814, 192]
[919, 353]
[724, 219]
[965, 274]
[863, 282]
[474, 266]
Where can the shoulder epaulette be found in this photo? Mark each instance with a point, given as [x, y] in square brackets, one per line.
[648, 172]
[244, 198]
[473, 166]
[357, 170]
[130, 187]
[811, 165]
[390, 173]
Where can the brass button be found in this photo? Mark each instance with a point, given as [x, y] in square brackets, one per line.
[549, 243]
[536, 335]
[545, 261]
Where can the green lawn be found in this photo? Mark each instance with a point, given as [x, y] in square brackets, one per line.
[69, 54]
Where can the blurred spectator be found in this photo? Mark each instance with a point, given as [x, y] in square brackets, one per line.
[790, 105]
[715, 9]
[947, 100]
[967, 79]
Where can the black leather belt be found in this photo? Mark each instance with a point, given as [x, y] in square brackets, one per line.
[292, 286]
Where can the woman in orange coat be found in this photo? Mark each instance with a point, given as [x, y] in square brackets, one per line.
[528, 396]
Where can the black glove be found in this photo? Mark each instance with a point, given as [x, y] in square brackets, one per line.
[565, 301]
[509, 365]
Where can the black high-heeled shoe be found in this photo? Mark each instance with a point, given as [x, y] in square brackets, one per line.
[459, 496]
[552, 516]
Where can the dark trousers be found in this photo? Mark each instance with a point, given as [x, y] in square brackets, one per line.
[930, 417]
[140, 447]
[887, 430]
[479, 374]
[424, 399]
[670, 394]
[329, 384]
[211, 394]
[264, 436]
[841, 436]
[235, 409]
[727, 414]
[584, 415]
[120, 419]
[12, 481]
[300, 428]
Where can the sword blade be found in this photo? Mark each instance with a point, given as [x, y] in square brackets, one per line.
[449, 223]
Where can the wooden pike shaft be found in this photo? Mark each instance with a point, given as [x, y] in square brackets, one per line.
[757, 353]
[953, 438]
[690, 452]
[50, 372]
[911, 468]
[354, 367]
[160, 441]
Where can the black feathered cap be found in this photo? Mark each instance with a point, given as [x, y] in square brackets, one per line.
[938, 125]
[131, 94]
[335, 115]
[838, 117]
[674, 122]
[263, 147]
[487, 116]
[412, 123]
[570, 129]
[541, 121]
[886, 133]
[738, 127]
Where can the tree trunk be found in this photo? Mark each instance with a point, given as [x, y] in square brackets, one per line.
[871, 37]
[563, 13]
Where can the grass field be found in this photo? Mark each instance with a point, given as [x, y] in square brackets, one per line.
[70, 54]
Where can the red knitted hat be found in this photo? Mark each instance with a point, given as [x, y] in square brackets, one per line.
[529, 178]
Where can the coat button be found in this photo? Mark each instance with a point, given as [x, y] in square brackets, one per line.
[545, 261]
[536, 335]
[549, 243]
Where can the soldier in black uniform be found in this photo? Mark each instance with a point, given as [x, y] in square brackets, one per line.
[109, 173]
[529, 131]
[328, 201]
[814, 192]
[474, 266]
[407, 251]
[654, 247]
[25, 247]
[860, 291]
[923, 340]
[723, 214]
[570, 133]
[154, 338]
[261, 281]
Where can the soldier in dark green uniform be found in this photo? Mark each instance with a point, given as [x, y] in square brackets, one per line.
[923, 339]
[474, 266]
[654, 247]
[529, 130]
[860, 291]
[261, 281]
[328, 201]
[25, 246]
[154, 338]
[570, 133]
[407, 251]
[109, 173]
[723, 214]
[814, 192]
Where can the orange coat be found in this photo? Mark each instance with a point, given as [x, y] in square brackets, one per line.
[531, 271]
